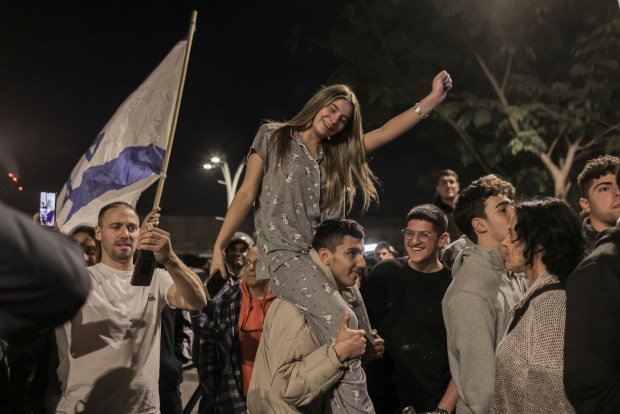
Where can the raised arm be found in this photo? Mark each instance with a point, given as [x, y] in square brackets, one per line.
[403, 122]
[238, 210]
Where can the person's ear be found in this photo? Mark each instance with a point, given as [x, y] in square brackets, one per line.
[325, 255]
[98, 233]
[444, 240]
[585, 205]
[479, 225]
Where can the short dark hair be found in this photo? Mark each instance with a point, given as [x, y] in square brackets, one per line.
[549, 224]
[331, 233]
[110, 206]
[470, 203]
[385, 245]
[235, 242]
[432, 214]
[596, 168]
[449, 172]
[618, 175]
[90, 230]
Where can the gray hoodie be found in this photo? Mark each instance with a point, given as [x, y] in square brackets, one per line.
[476, 311]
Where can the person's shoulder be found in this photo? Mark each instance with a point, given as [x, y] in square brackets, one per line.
[283, 316]
[476, 274]
[602, 261]
[384, 274]
[389, 266]
[227, 294]
[444, 273]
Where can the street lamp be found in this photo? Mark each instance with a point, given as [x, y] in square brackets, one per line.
[231, 184]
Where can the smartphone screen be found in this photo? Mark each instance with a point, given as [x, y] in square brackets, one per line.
[47, 209]
[215, 283]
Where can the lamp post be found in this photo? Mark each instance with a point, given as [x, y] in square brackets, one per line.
[230, 183]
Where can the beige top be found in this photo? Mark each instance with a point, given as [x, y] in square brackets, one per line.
[530, 359]
[292, 374]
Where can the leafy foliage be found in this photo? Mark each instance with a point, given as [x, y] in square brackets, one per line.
[537, 79]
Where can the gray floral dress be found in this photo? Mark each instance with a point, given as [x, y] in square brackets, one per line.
[288, 210]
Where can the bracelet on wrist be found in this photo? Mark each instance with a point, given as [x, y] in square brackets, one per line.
[419, 111]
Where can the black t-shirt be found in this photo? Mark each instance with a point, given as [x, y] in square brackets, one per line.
[404, 305]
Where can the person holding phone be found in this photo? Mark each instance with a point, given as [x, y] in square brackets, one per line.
[298, 174]
[228, 344]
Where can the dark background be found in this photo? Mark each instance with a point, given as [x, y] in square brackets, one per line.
[66, 66]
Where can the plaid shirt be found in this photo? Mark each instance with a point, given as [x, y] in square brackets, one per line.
[220, 354]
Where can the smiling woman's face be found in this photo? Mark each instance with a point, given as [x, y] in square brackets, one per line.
[332, 119]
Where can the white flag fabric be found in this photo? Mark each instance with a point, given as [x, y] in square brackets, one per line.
[127, 156]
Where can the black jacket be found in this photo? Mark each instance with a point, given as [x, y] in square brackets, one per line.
[592, 343]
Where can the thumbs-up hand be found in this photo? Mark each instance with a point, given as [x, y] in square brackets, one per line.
[350, 343]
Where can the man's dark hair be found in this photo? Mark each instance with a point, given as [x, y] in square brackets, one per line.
[386, 245]
[330, 233]
[115, 204]
[596, 168]
[233, 244]
[432, 214]
[449, 172]
[83, 229]
[470, 203]
[547, 224]
[618, 175]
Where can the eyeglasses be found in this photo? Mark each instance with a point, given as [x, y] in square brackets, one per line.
[422, 235]
[247, 315]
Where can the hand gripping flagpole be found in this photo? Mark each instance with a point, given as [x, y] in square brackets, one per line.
[145, 262]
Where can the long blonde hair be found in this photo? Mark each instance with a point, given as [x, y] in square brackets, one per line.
[344, 153]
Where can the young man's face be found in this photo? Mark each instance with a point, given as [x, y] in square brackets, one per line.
[383, 254]
[118, 233]
[88, 246]
[447, 187]
[235, 254]
[602, 202]
[493, 229]
[248, 273]
[423, 244]
[346, 262]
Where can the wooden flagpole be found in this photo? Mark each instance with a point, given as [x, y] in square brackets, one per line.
[145, 261]
[162, 176]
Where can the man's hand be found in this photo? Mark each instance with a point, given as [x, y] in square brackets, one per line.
[157, 241]
[350, 343]
[374, 349]
[152, 217]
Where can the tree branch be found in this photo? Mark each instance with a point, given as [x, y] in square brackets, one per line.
[498, 90]
[468, 140]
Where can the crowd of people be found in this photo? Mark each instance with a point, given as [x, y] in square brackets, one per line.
[501, 303]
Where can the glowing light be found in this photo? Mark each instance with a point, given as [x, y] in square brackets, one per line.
[11, 175]
[20, 188]
[216, 160]
[370, 247]
[207, 166]
[14, 178]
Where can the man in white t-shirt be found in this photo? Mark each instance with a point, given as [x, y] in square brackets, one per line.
[109, 352]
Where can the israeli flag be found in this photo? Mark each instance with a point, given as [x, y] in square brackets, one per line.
[127, 155]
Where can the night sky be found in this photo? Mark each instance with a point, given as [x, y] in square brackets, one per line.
[66, 66]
